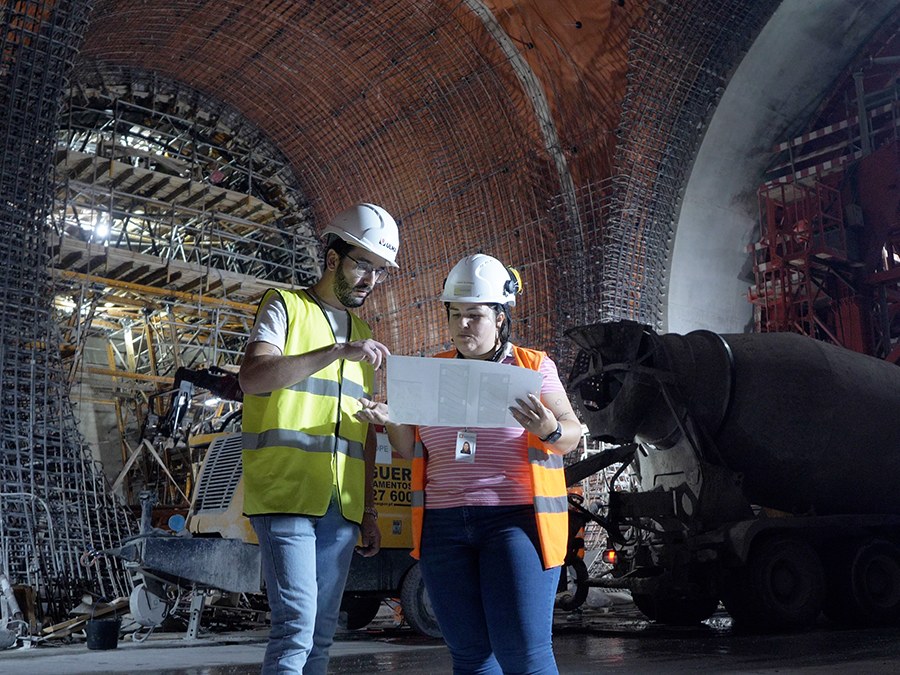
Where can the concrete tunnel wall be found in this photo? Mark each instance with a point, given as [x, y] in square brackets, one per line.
[785, 74]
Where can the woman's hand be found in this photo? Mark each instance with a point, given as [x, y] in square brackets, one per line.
[534, 416]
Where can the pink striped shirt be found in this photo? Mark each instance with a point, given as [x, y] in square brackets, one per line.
[500, 474]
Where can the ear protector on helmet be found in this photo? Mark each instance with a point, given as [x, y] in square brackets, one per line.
[514, 285]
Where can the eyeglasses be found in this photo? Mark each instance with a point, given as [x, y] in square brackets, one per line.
[364, 268]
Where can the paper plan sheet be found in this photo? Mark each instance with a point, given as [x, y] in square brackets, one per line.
[456, 392]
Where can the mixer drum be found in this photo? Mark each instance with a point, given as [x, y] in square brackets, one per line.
[810, 427]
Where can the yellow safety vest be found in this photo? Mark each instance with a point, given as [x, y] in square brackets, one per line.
[548, 482]
[301, 441]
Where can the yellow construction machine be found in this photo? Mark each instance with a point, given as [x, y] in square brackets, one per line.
[391, 574]
[216, 547]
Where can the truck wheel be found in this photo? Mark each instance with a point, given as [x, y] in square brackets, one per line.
[360, 610]
[685, 610]
[782, 586]
[865, 586]
[575, 575]
[416, 605]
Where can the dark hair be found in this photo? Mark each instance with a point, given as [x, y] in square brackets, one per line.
[507, 322]
[338, 245]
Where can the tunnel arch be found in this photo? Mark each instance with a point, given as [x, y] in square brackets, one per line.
[787, 72]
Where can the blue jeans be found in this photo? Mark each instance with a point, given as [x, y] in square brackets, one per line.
[305, 563]
[489, 590]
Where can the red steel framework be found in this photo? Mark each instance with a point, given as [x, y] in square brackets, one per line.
[821, 271]
[827, 260]
[806, 274]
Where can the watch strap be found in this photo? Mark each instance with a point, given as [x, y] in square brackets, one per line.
[554, 435]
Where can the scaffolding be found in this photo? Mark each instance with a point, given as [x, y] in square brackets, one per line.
[168, 227]
[805, 278]
[825, 258]
[166, 219]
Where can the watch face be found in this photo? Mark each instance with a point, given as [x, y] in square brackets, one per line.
[555, 436]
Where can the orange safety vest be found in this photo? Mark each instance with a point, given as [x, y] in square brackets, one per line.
[548, 482]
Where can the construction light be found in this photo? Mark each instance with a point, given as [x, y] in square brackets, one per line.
[101, 229]
[610, 556]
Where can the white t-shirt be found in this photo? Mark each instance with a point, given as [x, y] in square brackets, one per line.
[271, 322]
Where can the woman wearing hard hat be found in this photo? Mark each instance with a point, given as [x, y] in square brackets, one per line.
[490, 525]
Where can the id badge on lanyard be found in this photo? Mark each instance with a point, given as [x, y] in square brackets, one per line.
[465, 446]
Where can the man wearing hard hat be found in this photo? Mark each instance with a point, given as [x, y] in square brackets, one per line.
[307, 463]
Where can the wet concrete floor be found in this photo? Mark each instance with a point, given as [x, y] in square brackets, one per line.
[594, 641]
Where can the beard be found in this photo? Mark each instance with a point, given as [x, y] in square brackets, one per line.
[343, 289]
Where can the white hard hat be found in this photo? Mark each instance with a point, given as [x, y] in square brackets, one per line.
[370, 227]
[483, 279]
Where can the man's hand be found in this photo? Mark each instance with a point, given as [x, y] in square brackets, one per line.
[372, 412]
[266, 369]
[370, 351]
[402, 436]
[370, 535]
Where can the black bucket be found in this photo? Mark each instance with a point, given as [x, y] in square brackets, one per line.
[103, 633]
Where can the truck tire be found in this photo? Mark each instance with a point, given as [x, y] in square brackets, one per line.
[864, 586]
[416, 605]
[576, 589]
[781, 587]
[685, 610]
[359, 610]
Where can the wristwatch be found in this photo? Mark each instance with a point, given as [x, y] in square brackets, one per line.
[554, 435]
[371, 511]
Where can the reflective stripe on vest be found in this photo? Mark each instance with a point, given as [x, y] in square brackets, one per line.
[323, 387]
[418, 493]
[302, 441]
[288, 438]
[548, 482]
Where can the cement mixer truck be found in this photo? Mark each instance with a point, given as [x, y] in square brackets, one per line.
[769, 474]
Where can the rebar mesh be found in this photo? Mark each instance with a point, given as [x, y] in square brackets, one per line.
[423, 107]
[414, 106]
[679, 62]
[54, 501]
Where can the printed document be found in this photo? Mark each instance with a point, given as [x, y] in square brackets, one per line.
[456, 392]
